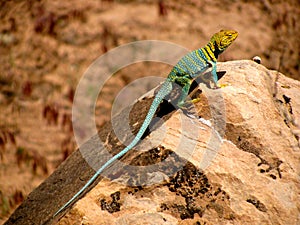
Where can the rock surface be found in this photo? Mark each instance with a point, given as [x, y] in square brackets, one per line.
[250, 175]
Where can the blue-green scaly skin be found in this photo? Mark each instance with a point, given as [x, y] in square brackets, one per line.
[183, 73]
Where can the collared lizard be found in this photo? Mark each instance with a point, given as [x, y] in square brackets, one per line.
[183, 73]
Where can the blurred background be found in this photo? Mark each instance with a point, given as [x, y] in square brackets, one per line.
[46, 46]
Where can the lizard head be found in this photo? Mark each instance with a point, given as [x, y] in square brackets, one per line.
[223, 39]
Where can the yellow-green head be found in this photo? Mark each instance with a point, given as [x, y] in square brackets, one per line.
[221, 40]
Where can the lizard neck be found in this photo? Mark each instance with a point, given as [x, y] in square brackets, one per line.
[212, 49]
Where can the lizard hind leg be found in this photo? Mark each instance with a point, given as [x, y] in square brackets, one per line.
[187, 106]
[185, 84]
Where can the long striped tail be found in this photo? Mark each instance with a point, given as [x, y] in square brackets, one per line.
[163, 92]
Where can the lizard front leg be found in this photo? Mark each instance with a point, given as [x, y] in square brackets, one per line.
[215, 76]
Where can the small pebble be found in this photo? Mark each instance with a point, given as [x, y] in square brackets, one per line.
[257, 59]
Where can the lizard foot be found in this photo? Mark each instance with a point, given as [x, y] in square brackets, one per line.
[223, 85]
